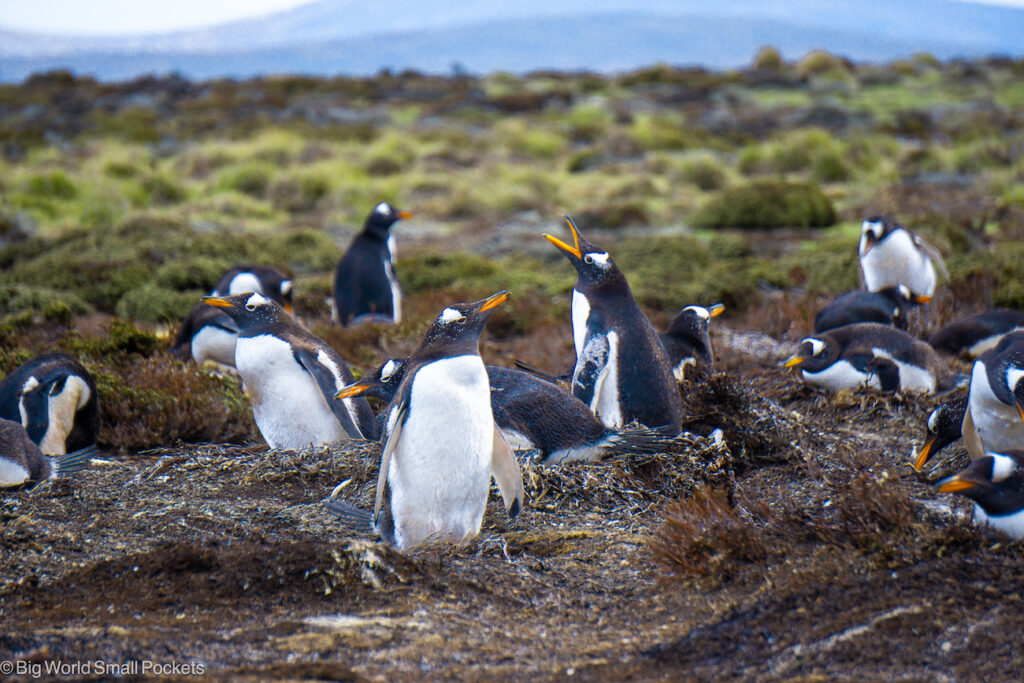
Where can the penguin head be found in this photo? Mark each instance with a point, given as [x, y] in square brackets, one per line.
[382, 383]
[456, 331]
[594, 267]
[269, 282]
[943, 429]
[381, 219]
[814, 354]
[873, 230]
[251, 311]
[694, 320]
[995, 482]
[903, 294]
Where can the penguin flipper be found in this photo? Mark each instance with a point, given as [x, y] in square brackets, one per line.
[588, 370]
[396, 420]
[74, 462]
[352, 517]
[972, 439]
[329, 377]
[934, 254]
[506, 472]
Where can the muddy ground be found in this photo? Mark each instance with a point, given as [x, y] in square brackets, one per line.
[822, 555]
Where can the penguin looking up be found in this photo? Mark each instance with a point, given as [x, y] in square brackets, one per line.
[973, 335]
[995, 400]
[887, 306]
[891, 255]
[871, 355]
[365, 287]
[533, 414]
[21, 461]
[995, 483]
[292, 377]
[687, 342]
[622, 370]
[54, 398]
[945, 425]
[441, 445]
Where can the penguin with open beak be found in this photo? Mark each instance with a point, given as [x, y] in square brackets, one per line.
[995, 482]
[292, 377]
[891, 255]
[21, 461]
[622, 370]
[441, 445]
[688, 343]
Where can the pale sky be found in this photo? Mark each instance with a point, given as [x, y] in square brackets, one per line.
[106, 17]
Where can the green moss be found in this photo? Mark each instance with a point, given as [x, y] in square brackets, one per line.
[54, 185]
[122, 338]
[588, 122]
[705, 172]
[153, 303]
[161, 190]
[298, 194]
[49, 304]
[251, 178]
[121, 170]
[829, 167]
[768, 204]
[768, 58]
[662, 132]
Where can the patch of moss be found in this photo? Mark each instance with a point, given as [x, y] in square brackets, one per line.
[768, 204]
[251, 178]
[705, 172]
[54, 185]
[298, 194]
[153, 303]
[122, 338]
[49, 304]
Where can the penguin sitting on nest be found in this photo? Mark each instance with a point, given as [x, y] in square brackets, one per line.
[973, 335]
[292, 377]
[21, 461]
[874, 356]
[887, 306]
[687, 342]
[995, 482]
[441, 445]
[365, 286]
[622, 370]
[891, 255]
[533, 415]
[209, 334]
[54, 398]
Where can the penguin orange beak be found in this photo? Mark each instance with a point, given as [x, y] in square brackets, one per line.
[794, 361]
[405, 214]
[357, 388]
[922, 298]
[956, 485]
[716, 310]
[216, 301]
[925, 454]
[288, 308]
[1020, 409]
[575, 249]
[494, 300]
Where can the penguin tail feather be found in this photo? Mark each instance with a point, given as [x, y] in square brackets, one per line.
[636, 438]
[75, 462]
[352, 517]
[536, 372]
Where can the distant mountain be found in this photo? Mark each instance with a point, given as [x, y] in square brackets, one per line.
[357, 37]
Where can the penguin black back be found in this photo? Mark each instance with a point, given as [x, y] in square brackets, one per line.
[974, 334]
[888, 306]
[365, 287]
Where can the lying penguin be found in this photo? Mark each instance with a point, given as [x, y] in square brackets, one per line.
[874, 356]
[687, 342]
[54, 398]
[973, 335]
[887, 306]
[441, 445]
[532, 414]
[292, 377]
[891, 255]
[995, 483]
[21, 461]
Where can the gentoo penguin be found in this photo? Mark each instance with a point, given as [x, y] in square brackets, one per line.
[891, 255]
[995, 483]
[871, 355]
[995, 400]
[291, 377]
[622, 371]
[687, 342]
[208, 334]
[54, 398]
[22, 462]
[887, 306]
[945, 425]
[365, 287]
[533, 414]
[976, 334]
[441, 445]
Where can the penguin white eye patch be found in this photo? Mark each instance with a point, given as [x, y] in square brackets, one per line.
[817, 346]
[874, 228]
[600, 258]
[389, 369]
[699, 311]
[1002, 467]
[384, 208]
[450, 315]
[255, 300]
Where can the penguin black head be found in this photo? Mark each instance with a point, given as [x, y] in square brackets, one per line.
[594, 267]
[874, 230]
[995, 482]
[944, 427]
[814, 354]
[381, 219]
[694, 320]
[382, 383]
[269, 282]
[250, 311]
[456, 331]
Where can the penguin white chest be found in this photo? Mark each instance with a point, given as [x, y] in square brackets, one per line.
[287, 404]
[1012, 525]
[440, 472]
[580, 314]
[999, 425]
[841, 375]
[12, 473]
[897, 260]
[913, 379]
[214, 344]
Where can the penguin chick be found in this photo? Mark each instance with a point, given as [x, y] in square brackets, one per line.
[888, 306]
[365, 287]
[533, 414]
[944, 427]
[973, 335]
[871, 355]
[687, 342]
[995, 483]
[622, 371]
[54, 398]
[22, 462]
[292, 377]
[891, 255]
[995, 400]
[441, 445]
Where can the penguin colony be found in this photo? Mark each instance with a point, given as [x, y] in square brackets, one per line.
[451, 424]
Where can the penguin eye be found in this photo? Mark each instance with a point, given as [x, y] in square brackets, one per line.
[250, 307]
[589, 258]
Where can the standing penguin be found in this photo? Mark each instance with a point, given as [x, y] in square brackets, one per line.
[365, 287]
[54, 398]
[995, 400]
[441, 444]
[292, 377]
[22, 462]
[995, 482]
[891, 255]
[622, 370]
[687, 342]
